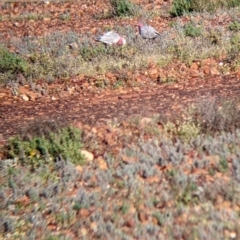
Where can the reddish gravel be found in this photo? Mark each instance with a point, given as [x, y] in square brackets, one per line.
[97, 108]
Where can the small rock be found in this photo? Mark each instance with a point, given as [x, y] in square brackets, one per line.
[109, 139]
[23, 200]
[2, 95]
[109, 75]
[144, 121]
[219, 200]
[23, 90]
[101, 163]
[70, 89]
[142, 216]
[80, 12]
[128, 160]
[155, 220]
[15, 24]
[84, 212]
[139, 78]
[233, 235]
[206, 69]
[52, 227]
[88, 155]
[83, 232]
[130, 223]
[129, 74]
[194, 73]
[94, 227]
[11, 207]
[132, 210]
[93, 30]
[194, 65]
[154, 179]
[32, 96]
[79, 168]
[94, 130]
[153, 73]
[214, 71]
[208, 62]
[213, 160]
[78, 125]
[25, 97]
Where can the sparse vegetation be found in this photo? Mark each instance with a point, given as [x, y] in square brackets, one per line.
[63, 55]
[180, 7]
[182, 196]
[214, 116]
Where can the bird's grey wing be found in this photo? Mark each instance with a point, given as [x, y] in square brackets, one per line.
[152, 31]
[155, 31]
[144, 32]
[149, 32]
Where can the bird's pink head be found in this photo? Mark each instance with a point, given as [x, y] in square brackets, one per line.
[121, 41]
[139, 25]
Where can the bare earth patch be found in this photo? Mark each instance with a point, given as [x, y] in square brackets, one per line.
[99, 107]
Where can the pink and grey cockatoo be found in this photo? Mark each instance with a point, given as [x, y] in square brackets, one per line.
[112, 38]
[147, 32]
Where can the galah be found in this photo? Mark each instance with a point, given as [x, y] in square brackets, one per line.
[147, 32]
[112, 38]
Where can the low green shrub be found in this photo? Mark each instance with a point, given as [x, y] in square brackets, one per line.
[89, 52]
[122, 8]
[185, 130]
[179, 7]
[233, 3]
[10, 62]
[235, 46]
[38, 150]
[191, 30]
[234, 26]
